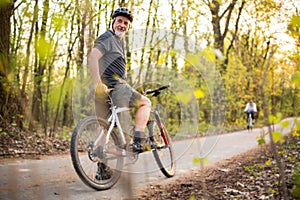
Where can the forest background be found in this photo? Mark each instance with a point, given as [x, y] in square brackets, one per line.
[253, 45]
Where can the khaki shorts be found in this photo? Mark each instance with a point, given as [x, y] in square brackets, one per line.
[123, 95]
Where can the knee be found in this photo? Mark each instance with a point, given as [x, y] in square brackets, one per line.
[145, 102]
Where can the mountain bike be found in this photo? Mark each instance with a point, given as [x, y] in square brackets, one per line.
[96, 141]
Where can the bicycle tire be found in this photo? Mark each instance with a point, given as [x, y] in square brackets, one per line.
[163, 149]
[84, 134]
[250, 121]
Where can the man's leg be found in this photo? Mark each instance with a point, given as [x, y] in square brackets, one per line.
[253, 117]
[125, 96]
[142, 114]
[141, 119]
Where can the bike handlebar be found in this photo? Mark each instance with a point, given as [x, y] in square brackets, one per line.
[156, 91]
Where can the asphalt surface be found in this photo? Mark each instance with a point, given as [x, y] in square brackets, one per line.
[54, 177]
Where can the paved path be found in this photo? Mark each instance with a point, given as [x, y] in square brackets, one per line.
[55, 178]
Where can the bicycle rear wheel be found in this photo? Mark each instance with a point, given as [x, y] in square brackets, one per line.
[87, 156]
[163, 150]
[249, 121]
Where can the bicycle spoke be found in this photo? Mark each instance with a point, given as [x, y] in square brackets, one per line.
[163, 151]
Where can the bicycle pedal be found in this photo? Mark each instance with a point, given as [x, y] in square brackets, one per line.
[131, 158]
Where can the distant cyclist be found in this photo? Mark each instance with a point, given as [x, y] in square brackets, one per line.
[250, 109]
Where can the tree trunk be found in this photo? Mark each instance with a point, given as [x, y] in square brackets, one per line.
[10, 109]
[220, 35]
[145, 41]
[5, 13]
[28, 48]
[37, 100]
[70, 48]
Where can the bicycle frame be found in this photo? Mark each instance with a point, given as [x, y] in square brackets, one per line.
[250, 120]
[113, 120]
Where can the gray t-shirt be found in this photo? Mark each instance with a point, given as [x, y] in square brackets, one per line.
[112, 66]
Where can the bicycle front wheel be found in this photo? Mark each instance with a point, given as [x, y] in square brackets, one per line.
[163, 150]
[88, 155]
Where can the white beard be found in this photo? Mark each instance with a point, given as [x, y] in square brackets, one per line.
[120, 34]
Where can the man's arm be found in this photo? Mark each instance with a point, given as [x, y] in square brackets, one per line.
[93, 61]
[93, 58]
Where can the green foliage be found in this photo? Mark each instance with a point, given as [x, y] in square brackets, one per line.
[185, 97]
[43, 47]
[192, 197]
[296, 180]
[296, 130]
[203, 126]
[271, 190]
[261, 141]
[58, 21]
[169, 108]
[2, 132]
[236, 80]
[277, 137]
[275, 119]
[65, 133]
[251, 169]
[285, 124]
[294, 25]
[296, 79]
[202, 161]
[4, 2]
[54, 93]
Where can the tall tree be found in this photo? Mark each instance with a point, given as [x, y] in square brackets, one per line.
[294, 31]
[221, 31]
[75, 16]
[41, 61]
[10, 104]
[28, 49]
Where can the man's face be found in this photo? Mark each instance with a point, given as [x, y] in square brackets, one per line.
[121, 26]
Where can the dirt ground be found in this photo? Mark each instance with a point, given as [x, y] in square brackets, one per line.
[14, 143]
[251, 175]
